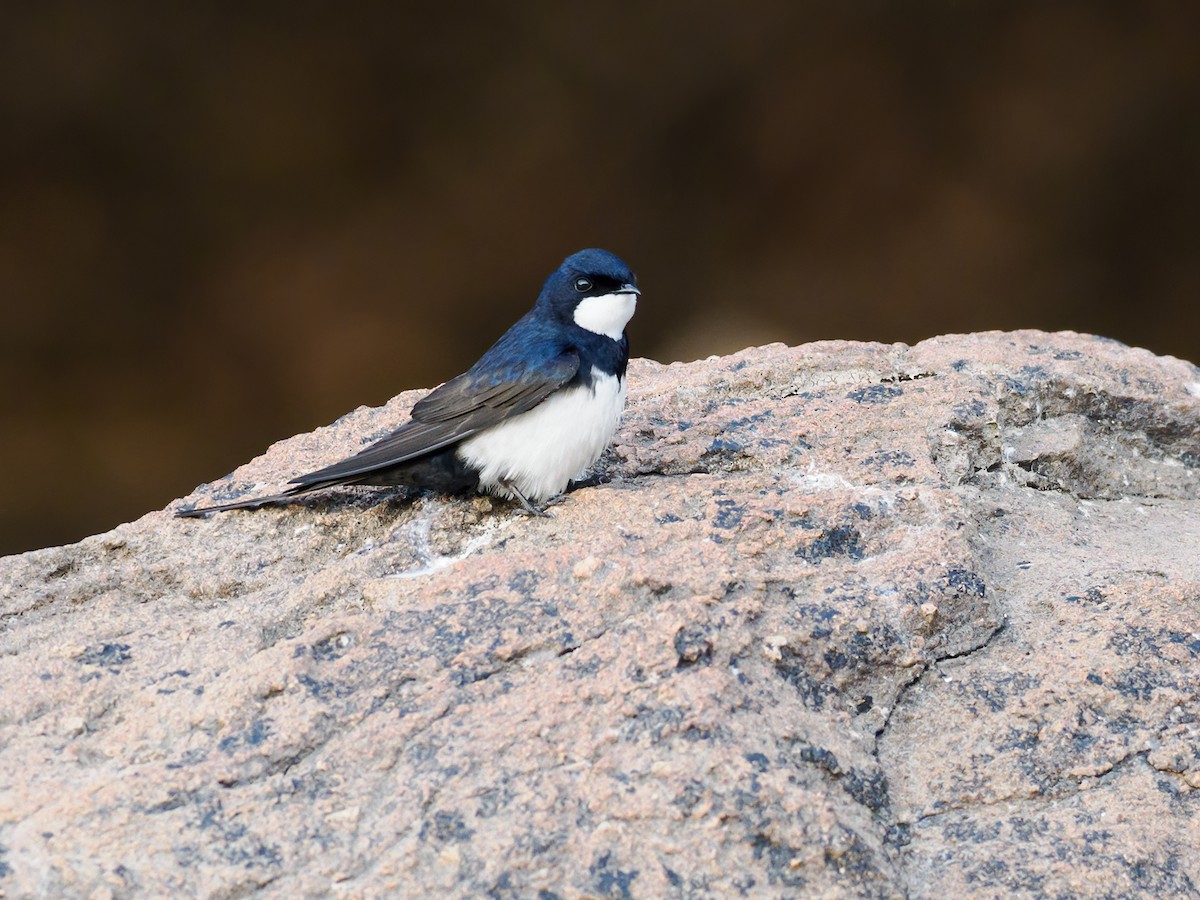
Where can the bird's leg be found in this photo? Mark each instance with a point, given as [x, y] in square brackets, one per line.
[528, 507]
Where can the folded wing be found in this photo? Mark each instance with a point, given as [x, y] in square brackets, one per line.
[453, 412]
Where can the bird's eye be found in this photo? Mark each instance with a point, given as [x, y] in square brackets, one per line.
[583, 285]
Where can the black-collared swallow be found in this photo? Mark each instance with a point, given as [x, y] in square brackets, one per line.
[538, 408]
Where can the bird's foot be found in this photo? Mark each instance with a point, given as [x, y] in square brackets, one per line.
[553, 501]
[528, 508]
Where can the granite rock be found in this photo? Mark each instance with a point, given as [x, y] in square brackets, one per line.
[842, 619]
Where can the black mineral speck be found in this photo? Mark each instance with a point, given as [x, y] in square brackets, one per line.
[692, 645]
[609, 880]
[876, 393]
[841, 540]
[332, 647]
[106, 656]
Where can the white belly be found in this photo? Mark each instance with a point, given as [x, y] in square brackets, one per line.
[541, 450]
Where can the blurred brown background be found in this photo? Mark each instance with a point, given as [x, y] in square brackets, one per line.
[222, 226]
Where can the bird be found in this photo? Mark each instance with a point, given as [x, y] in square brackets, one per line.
[536, 410]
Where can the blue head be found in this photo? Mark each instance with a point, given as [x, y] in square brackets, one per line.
[592, 289]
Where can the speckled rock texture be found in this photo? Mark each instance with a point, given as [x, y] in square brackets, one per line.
[840, 620]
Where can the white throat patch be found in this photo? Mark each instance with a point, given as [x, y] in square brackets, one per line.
[607, 314]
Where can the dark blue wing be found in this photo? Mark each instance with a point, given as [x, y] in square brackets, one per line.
[518, 373]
